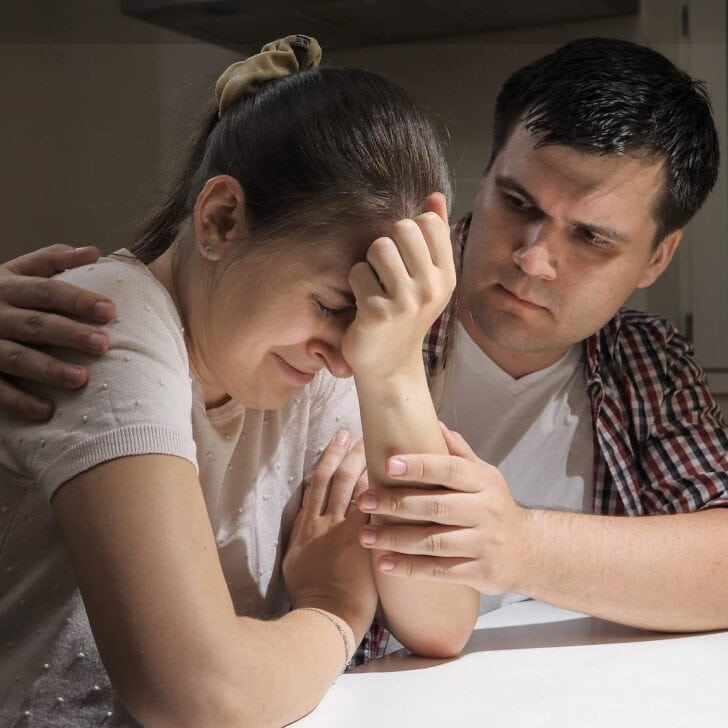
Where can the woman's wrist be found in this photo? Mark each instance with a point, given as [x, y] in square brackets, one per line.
[346, 633]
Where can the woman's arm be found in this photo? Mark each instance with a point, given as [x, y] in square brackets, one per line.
[140, 541]
[36, 310]
[400, 290]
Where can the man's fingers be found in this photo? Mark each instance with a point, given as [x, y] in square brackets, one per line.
[42, 294]
[446, 507]
[49, 329]
[450, 541]
[430, 568]
[26, 363]
[330, 460]
[24, 405]
[456, 444]
[450, 471]
[46, 262]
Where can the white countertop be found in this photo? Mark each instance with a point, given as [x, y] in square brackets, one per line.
[530, 664]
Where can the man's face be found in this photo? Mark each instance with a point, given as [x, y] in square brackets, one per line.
[558, 241]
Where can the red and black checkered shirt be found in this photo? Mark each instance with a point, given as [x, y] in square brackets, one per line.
[660, 442]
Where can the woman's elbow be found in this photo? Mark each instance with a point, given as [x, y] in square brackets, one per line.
[438, 647]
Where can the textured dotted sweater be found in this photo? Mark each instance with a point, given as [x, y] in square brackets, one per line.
[141, 399]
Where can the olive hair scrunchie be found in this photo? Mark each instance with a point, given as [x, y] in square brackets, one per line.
[276, 59]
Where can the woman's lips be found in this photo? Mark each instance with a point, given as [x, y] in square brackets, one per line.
[296, 374]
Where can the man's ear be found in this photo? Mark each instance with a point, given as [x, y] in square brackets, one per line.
[437, 203]
[219, 216]
[661, 257]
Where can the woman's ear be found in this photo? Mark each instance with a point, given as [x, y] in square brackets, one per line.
[219, 216]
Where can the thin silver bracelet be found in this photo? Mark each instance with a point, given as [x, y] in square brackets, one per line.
[348, 652]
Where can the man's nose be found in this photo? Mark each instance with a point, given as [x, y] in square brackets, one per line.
[536, 257]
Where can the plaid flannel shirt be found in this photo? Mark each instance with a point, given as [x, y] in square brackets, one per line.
[660, 442]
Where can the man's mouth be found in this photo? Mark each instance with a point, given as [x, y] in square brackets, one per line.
[521, 298]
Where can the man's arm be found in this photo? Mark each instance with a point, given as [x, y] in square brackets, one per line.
[663, 572]
[37, 311]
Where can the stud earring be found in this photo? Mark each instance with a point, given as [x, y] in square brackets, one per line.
[208, 250]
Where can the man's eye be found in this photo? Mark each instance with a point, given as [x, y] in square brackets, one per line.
[593, 239]
[517, 203]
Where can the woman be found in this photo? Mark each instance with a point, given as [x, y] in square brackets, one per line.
[173, 476]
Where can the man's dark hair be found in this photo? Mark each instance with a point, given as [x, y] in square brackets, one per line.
[605, 96]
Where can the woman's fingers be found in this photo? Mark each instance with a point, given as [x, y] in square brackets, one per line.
[345, 480]
[42, 294]
[318, 491]
[386, 261]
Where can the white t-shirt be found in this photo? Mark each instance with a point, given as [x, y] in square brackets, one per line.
[141, 399]
[537, 430]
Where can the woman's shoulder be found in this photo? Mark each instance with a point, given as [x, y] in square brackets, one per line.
[119, 274]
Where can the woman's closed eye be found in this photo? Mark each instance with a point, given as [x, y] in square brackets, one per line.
[334, 311]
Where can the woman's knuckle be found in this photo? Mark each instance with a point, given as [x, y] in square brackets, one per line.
[437, 572]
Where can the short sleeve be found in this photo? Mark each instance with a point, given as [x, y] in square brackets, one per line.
[138, 398]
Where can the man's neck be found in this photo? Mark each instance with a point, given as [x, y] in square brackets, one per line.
[515, 363]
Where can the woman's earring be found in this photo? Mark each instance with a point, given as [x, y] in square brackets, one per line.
[208, 249]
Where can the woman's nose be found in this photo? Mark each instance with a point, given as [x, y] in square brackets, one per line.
[331, 356]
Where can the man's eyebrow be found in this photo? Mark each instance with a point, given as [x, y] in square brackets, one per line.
[506, 182]
[509, 183]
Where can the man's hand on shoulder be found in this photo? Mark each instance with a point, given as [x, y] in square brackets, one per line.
[38, 311]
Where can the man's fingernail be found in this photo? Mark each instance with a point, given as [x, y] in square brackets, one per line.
[368, 501]
[368, 536]
[386, 564]
[97, 342]
[103, 310]
[342, 437]
[396, 466]
[42, 409]
[73, 376]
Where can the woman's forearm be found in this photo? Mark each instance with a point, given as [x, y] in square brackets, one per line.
[398, 416]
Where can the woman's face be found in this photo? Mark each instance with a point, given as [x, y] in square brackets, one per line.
[270, 325]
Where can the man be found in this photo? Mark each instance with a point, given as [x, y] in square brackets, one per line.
[576, 414]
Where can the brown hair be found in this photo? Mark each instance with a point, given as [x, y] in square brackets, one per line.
[317, 151]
